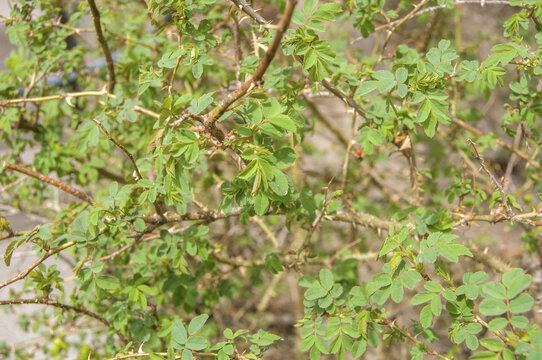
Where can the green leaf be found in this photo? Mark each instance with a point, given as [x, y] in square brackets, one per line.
[280, 182]
[283, 158]
[272, 262]
[388, 246]
[426, 316]
[401, 74]
[492, 307]
[326, 279]
[309, 6]
[495, 290]
[519, 321]
[139, 225]
[197, 323]
[261, 204]
[178, 334]
[421, 298]
[366, 87]
[515, 281]
[472, 342]
[433, 286]
[107, 282]
[497, 324]
[315, 292]
[198, 105]
[492, 344]
[485, 355]
[521, 304]
[283, 122]
[196, 343]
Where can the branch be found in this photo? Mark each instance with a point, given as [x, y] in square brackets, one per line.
[346, 99]
[492, 177]
[57, 183]
[101, 39]
[68, 96]
[222, 107]
[121, 147]
[525, 218]
[500, 142]
[63, 307]
[242, 4]
[36, 263]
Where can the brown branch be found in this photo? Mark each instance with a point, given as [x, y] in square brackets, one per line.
[63, 307]
[101, 39]
[525, 218]
[59, 184]
[36, 263]
[500, 142]
[477, 156]
[242, 4]
[121, 147]
[392, 28]
[315, 223]
[346, 99]
[68, 96]
[212, 117]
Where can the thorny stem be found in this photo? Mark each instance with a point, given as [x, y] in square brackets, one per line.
[242, 4]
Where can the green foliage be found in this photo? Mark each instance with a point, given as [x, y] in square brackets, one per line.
[211, 188]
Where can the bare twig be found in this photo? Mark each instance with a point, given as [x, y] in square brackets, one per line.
[57, 183]
[101, 39]
[80, 310]
[500, 142]
[121, 147]
[69, 96]
[477, 156]
[513, 157]
[316, 221]
[346, 99]
[392, 27]
[435, 8]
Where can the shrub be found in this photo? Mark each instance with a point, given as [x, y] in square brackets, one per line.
[217, 181]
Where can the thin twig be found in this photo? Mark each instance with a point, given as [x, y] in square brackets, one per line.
[347, 152]
[57, 183]
[435, 8]
[101, 39]
[36, 263]
[68, 96]
[500, 142]
[62, 306]
[477, 156]
[346, 99]
[121, 147]
[316, 221]
[392, 27]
